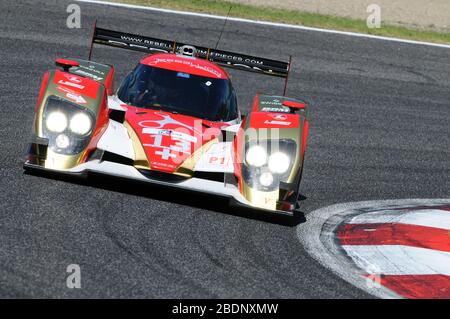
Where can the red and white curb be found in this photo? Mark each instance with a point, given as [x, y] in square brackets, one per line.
[391, 249]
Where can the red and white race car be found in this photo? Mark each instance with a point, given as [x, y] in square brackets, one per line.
[174, 121]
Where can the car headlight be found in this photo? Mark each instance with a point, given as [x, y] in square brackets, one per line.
[279, 163]
[62, 141]
[268, 163]
[56, 122]
[256, 156]
[67, 125]
[266, 179]
[80, 124]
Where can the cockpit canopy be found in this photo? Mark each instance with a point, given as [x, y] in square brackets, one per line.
[179, 91]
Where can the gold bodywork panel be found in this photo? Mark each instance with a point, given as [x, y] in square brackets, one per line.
[187, 167]
[61, 161]
[140, 158]
[269, 199]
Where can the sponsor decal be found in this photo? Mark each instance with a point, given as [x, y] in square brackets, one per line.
[217, 160]
[72, 78]
[275, 109]
[149, 42]
[236, 58]
[183, 75]
[72, 95]
[188, 63]
[65, 90]
[207, 69]
[75, 97]
[90, 75]
[172, 133]
[90, 72]
[272, 122]
[162, 164]
[280, 117]
[167, 120]
[167, 46]
[179, 142]
[75, 85]
[272, 105]
[273, 102]
[92, 68]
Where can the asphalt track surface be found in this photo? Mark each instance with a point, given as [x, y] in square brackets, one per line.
[379, 116]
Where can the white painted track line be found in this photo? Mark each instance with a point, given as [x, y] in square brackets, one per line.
[274, 24]
[400, 260]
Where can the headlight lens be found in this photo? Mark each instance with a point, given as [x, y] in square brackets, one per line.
[266, 179]
[80, 124]
[279, 163]
[62, 141]
[256, 156]
[56, 122]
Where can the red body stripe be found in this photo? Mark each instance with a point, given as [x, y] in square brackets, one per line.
[255, 103]
[100, 126]
[395, 234]
[418, 286]
[42, 90]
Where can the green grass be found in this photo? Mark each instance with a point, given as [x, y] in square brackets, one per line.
[221, 7]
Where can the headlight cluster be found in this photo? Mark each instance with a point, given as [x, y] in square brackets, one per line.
[67, 125]
[268, 162]
[277, 162]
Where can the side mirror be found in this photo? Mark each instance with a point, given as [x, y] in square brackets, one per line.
[66, 64]
[294, 105]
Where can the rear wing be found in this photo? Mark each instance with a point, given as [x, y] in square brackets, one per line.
[223, 58]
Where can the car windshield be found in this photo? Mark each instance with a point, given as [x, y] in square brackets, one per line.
[155, 88]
